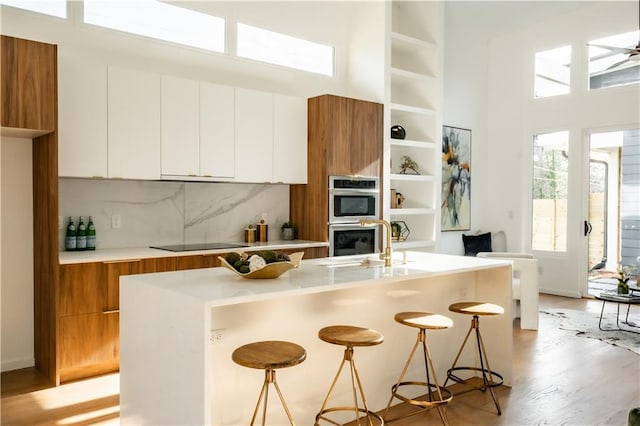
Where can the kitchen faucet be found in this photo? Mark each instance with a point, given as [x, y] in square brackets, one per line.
[386, 256]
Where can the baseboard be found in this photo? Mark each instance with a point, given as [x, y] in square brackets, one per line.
[573, 294]
[17, 364]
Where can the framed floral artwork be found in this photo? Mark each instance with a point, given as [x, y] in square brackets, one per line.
[456, 179]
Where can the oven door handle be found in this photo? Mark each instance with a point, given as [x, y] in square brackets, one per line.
[351, 225]
[341, 191]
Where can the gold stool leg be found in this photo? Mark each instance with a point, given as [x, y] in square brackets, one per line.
[354, 371]
[427, 352]
[355, 378]
[263, 391]
[464, 342]
[428, 364]
[483, 354]
[487, 374]
[333, 384]
[270, 377]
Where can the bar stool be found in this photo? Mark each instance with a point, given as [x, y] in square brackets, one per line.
[477, 309]
[269, 356]
[438, 396]
[349, 336]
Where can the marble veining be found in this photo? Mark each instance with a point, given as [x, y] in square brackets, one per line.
[167, 212]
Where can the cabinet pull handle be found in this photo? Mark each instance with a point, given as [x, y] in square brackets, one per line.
[111, 311]
[122, 261]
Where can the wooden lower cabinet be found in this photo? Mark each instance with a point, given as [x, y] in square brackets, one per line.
[90, 345]
[89, 303]
[198, 261]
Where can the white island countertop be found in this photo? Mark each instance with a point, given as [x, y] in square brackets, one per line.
[131, 253]
[171, 373]
[221, 287]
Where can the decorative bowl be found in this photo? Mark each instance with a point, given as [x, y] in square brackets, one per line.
[270, 270]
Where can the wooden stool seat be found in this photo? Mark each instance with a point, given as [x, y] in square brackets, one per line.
[476, 308]
[347, 335]
[424, 320]
[271, 354]
[268, 356]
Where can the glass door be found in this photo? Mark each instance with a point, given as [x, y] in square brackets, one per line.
[555, 211]
[613, 224]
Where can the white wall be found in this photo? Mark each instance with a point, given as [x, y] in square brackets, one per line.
[323, 22]
[514, 117]
[16, 287]
[464, 105]
[488, 82]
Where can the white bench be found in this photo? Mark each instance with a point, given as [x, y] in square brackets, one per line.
[524, 284]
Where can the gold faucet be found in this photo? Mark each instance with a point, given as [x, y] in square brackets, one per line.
[386, 256]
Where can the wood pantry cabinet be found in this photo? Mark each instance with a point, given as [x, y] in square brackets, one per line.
[29, 109]
[29, 85]
[344, 138]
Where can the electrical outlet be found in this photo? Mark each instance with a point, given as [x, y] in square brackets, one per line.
[116, 221]
[217, 336]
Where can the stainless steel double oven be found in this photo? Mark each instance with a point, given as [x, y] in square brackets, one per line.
[352, 198]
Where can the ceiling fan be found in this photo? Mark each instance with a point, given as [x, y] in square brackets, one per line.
[633, 53]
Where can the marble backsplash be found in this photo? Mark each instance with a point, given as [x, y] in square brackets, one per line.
[165, 212]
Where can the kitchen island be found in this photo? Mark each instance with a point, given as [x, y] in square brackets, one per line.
[172, 373]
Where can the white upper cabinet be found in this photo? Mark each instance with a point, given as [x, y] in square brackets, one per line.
[217, 130]
[82, 142]
[134, 124]
[254, 136]
[289, 139]
[129, 124]
[180, 139]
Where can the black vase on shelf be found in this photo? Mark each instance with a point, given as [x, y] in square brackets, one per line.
[398, 132]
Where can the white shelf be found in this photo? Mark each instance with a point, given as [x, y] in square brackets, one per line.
[411, 74]
[411, 211]
[398, 245]
[413, 144]
[412, 40]
[413, 100]
[414, 178]
[411, 108]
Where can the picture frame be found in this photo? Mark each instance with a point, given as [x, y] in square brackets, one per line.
[455, 210]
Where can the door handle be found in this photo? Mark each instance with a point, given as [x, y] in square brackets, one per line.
[587, 228]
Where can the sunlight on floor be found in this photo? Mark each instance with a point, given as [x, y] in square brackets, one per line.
[75, 392]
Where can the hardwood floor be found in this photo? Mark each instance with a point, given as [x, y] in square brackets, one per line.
[559, 379]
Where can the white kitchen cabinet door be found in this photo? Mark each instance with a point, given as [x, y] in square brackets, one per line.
[289, 139]
[82, 118]
[217, 130]
[254, 136]
[180, 140]
[134, 124]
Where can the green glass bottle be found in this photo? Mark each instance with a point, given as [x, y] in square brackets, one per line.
[91, 234]
[81, 237]
[70, 240]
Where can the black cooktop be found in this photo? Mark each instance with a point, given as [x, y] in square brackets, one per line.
[201, 246]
